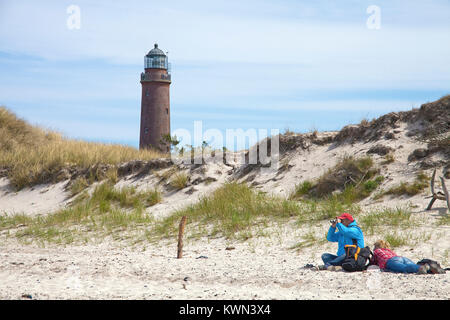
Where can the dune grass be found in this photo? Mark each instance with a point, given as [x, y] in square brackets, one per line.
[397, 226]
[421, 182]
[309, 239]
[337, 190]
[400, 238]
[405, 188]
[33, 155]
[349, 171]
[126, 197]
[234, 209]
[350, 180]
[302, 189]
[78, 185]
[325, 209]
[399, 217]
[179, 180]
[105, 210]
[444, 220]
[396, 239]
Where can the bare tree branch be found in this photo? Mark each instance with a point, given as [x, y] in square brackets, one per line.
[446, 192]
[432, 181]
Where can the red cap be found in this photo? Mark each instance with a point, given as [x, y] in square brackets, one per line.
[346, 216]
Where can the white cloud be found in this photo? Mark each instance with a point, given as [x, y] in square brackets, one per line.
[123, 33]
[234, 54]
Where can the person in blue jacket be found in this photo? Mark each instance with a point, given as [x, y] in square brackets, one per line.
[347, 229]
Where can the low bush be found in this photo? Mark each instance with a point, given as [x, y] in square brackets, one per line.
[350, 180]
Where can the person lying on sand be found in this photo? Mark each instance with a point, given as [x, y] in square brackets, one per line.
[347, 230]
[388, 260]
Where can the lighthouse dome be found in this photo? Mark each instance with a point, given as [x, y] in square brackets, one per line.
[156, 59]
[155, 52]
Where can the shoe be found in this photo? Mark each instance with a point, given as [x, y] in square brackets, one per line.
[436, 268]
[311, 267]
[423, 269]
[334, 268]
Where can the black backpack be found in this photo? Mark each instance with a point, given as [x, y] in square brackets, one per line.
[356, 258]
[433, 266]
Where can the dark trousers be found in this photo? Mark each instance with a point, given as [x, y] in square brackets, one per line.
[332, 260]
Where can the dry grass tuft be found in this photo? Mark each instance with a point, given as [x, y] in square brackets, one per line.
[179, 180]
[33, 155]
[389, 158]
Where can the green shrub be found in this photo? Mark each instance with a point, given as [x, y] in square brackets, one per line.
[349, 180]
[349, 171]
[302, 189]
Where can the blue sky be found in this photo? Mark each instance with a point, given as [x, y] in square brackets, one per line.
[235, 64]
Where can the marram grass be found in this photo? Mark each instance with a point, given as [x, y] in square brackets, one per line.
[33, 155]
[235, 209]
[105, 210]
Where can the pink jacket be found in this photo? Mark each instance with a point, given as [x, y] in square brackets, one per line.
[381, 256]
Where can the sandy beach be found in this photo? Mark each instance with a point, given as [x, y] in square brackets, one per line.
[253, 270]
[265, 266]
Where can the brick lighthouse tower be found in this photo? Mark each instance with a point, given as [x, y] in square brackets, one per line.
[155, 103]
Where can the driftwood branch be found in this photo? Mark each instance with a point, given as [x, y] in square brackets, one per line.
[438, 195]
[432, 181]
[444, 187]
[180, 237]
[431, 203]
[361, 180]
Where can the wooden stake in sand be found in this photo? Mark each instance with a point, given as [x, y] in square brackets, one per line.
[180, 237]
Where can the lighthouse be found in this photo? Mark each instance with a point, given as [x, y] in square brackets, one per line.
[155, 101]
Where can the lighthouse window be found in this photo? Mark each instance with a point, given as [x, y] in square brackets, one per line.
[167, 111]
[146, 130]
[147, 93]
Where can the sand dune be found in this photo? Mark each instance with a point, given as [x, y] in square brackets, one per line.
[259, 268]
